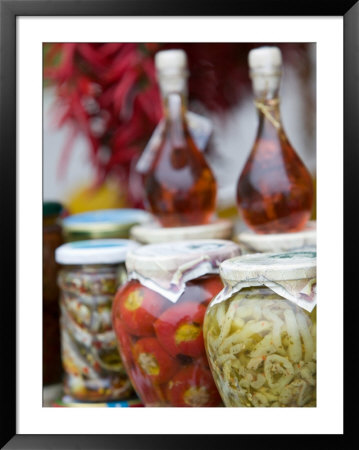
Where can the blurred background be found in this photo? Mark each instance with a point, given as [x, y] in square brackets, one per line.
[102, 103]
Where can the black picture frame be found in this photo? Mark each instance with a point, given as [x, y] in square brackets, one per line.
[9, 11]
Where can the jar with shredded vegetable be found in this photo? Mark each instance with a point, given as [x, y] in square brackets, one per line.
[260, 331]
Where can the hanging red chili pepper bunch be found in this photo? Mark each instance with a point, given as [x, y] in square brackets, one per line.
[109, 93]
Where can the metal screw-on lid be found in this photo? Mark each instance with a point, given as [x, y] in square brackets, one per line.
[295, 265]
[51, 208]
[95, 251]
[106, 223]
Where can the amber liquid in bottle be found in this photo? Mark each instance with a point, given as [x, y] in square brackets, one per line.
[180, 186]
[275, 189]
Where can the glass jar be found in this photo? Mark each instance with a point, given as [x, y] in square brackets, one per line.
[260, 331]
[278, 242]
[52, 238]
[102, 224]
[91, 273]
[158, 315]
[152, 233]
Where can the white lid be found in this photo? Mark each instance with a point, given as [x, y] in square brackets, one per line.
[173, 60]
[162, 261]
[295, 265]
[279, 242]
[152, 233]
[94, 251]
[264, 57]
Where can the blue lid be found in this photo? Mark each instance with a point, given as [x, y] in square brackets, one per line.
[94, 251]
[105, 217]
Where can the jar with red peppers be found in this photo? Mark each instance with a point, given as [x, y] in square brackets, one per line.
[158, 316]
[90, 275]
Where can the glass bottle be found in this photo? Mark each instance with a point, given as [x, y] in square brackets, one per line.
[275, 189]
[180, 187]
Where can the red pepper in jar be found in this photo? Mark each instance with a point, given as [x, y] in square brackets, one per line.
[179, 329]
[193, 386]
[150, 393]
[124, 341]
[202, 289]
[138, 307]
[154, 362]
[211, 286]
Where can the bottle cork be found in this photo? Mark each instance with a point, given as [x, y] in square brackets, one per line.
[264, 57]
[171, 60]
[172, 73]
[265, 65]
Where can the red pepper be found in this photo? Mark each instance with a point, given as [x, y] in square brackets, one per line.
[150, 393]
[124, 342]
[153, 361]
[193, 386]
[211, 286]
[179, 329]
[138, 307]
[203, 289]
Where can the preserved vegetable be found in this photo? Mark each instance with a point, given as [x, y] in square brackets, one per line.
[158, 320]
[260, 331]
[92, 272]
[162, 343]
[263, 350]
